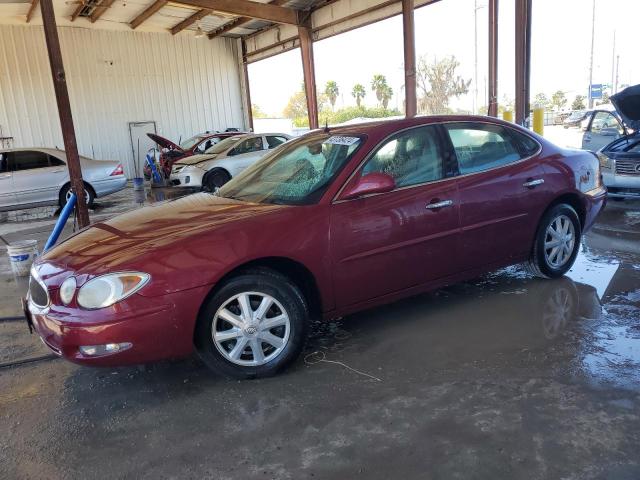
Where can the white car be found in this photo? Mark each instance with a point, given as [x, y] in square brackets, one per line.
[224, 160]
[31, 177]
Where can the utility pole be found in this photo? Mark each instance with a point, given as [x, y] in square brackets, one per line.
[615, 90]
[613, 61]
[475, 56]
[593, 32]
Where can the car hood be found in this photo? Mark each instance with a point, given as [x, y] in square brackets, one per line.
[143, 238]
[164, 143]
[194, 159]
[627, 103]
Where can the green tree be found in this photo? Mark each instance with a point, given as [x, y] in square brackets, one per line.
[358, 92]
[297, 106]
[386, 95]
[257, 112]
[438, 83]
[543, 101]
[604, 100]
[558, 100]
[332, 91]
[378, 85]
[578, 103]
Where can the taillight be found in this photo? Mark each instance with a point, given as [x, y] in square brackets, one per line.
[118, 171]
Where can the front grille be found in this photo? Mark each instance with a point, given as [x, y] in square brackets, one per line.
[39, 295]
[628, 167]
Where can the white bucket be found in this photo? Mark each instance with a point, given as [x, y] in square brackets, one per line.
[21, 256]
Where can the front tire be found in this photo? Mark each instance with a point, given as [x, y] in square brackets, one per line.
[214, 179]
[557, 242]
[254, 326]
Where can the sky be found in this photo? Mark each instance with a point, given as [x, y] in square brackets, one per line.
[561, 45]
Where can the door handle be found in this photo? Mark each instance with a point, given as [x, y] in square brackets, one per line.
[533, 183]
[436, 205]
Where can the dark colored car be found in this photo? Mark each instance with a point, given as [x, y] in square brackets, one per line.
[171, 152]
[334, 222]
[620, 159]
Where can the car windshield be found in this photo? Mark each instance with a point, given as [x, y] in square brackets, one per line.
[189, 143]
[295, 173]
[576, 115]
[223, 145]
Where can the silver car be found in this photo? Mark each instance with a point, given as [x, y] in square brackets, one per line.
[223, 161]
[31, 177]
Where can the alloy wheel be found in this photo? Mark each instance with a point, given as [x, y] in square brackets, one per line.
[86, 196]
[251, 329]
[557, 312]
[559, 241]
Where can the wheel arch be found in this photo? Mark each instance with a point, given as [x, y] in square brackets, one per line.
[216, 169]
[86, 184]
[294, 270]
[572, 199]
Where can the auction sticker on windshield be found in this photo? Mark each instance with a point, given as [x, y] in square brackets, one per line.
[338, 140]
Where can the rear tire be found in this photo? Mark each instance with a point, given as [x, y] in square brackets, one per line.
[89, 196]
[214, 179]
[557, 242]
[253, 326]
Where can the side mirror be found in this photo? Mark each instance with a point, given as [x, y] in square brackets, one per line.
[368, 184]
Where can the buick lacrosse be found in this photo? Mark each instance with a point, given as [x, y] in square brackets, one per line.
[333, 222]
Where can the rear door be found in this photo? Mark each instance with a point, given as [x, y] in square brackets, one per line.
[388, 242]
[7, 190]
[36, 176]
[502, 192]
[603, 128]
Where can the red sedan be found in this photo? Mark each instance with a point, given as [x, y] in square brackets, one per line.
[333, 222]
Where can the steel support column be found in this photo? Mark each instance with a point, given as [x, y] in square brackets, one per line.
[246, 84]
[408, 30]
[64, 109]
[308, 69]
[493, 58]
[523, 59]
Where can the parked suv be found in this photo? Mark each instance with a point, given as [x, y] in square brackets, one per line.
[620, 159]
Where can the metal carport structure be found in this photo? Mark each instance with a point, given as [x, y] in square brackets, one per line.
[267, 28]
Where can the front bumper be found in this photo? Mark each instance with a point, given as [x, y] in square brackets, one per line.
[622, 186]
[157, 327]
[189, 178]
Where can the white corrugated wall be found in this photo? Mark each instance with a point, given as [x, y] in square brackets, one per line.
[186, 85]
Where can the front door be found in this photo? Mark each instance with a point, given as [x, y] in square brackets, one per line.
[502, 192]
[388, 242]
[37, 176]
[603, 129]
[246, 154]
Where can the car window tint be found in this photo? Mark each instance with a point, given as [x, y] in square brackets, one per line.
[528, 146]
[481, 147]
[273, 142]
[4, 162]
[29, 159]
[411, 157]
[55, 161]
[605, 120]
[249, 145]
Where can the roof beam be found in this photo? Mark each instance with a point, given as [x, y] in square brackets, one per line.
[77, 11]
[32, 9]
[238, 22]
[247, 8]
[100, 9]
[148, 12]
[199, 15]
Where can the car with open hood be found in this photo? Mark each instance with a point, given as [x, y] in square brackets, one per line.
[620, 159]
[224, 160]
[171, 152]
[330, 223]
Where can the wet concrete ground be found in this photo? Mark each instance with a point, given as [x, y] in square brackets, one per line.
[502, 377]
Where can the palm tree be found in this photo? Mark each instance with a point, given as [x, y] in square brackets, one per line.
[331, 91]
[387, 93]
[378, 85]
[358, 93]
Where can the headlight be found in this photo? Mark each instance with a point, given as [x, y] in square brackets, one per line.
[605, 162]
[67, 289]
[108, 289]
